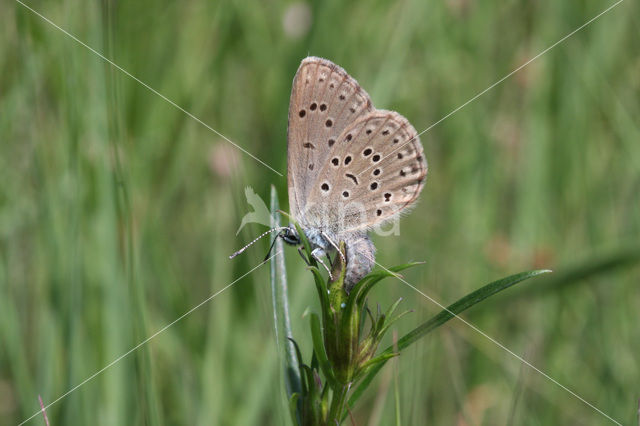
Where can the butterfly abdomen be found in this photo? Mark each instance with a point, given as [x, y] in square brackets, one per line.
[360, 258]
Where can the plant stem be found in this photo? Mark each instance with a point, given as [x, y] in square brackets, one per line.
[338, 401]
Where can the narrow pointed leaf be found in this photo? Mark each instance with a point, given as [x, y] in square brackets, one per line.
[390, 322]
[445, 315]
[305, 244]
[303, 383]
[293, 408]
[280, 301]
[377, 276]
[310, 380]
[319, 350]
[392, 308]
[324, 400]
[372, 319]
[379, 359]
[379, 325]
[464, 304]
[321, 288]
[579, 272]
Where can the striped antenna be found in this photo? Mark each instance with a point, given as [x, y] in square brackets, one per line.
[278, 228]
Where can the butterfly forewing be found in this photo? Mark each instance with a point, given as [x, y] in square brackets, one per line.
[325, 100]
[376, 170]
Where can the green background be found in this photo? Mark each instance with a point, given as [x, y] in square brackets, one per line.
[118, 211]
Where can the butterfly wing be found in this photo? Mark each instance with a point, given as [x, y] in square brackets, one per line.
[376, 171]
[325, 100]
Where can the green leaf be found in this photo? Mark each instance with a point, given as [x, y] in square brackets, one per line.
[382, 358]
[392, 308]
[390, 322]
[445, 315]
[318, 349]
[348, 312]
[321, 288]
[293, 408]
[363, 318]
[361, 289]
[375, 277]
[310, 381]
[371, 318]
[305, 244]
[464, 304]
[303, 383]
[280, 301]
[324, 400]
[379, 325]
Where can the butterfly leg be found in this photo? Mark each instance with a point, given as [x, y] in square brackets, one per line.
[317, 254]
[333, 243]
[303, 255]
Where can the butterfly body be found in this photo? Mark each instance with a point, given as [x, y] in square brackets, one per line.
[351, 167]
[360, 251]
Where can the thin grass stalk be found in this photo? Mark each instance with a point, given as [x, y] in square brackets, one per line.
[279, 297]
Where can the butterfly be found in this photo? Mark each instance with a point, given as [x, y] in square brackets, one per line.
[351, 167]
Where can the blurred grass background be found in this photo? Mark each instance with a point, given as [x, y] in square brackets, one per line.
[118, 211]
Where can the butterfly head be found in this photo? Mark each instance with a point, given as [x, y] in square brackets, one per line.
[290, 235]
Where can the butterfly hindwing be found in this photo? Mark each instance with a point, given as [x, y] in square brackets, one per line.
[376, 171]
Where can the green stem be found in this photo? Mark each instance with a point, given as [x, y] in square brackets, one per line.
[338, 402]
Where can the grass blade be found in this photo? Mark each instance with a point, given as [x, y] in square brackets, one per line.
[280, 301]
[578, 272]
[319, 351]
[445, 315]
